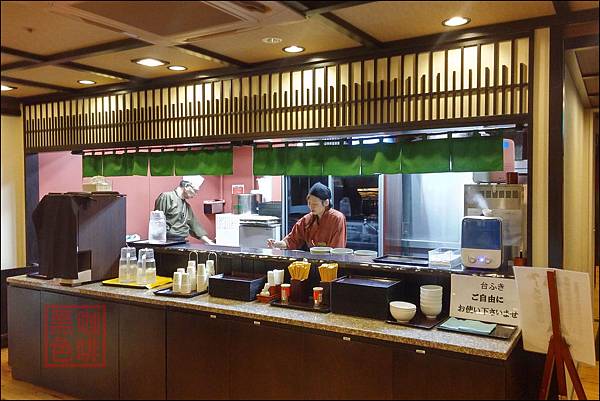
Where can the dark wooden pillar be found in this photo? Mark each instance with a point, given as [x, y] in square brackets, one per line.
[32, 190]
[556, 149]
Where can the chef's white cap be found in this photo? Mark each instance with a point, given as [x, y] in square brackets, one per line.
[195, 180]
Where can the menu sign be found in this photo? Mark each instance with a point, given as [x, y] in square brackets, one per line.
[488, 299]
[574, 303]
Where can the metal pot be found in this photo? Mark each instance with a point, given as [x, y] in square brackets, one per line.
[246, 203]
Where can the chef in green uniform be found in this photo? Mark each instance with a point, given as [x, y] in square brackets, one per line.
[181, 221]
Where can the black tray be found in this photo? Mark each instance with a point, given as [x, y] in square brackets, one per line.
[402, 260]
[421, 321]
[168, 292]
[237, 285]
[501, 331]
[301, 306]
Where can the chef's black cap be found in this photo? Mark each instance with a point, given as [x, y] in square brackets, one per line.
[320, 191]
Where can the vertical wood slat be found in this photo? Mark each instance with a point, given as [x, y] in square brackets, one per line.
[521, 86]
[462, 81]
[486, 99]
[513, 75]
[446, 84]
[478, 80]
[423, 98]
[362, 92]
[495, 91]
[401, 80]
[454, 95]
[470, 93]
[337, 96]
[416, 88]
[438, 81]
[430, 88]
[375, 88]
[504, 88]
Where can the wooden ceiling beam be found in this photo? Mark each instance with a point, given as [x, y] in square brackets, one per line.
[37, 60]
[561, 8]
[71, 55]
[336, 5]
[35, 84]
[581, 42]
[210, 55]
[336, 23]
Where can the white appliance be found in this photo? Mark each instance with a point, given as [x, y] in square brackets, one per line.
[255, 230]
[227, 229]
[481, 242]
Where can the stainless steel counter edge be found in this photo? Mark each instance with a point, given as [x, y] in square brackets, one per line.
[347, 325]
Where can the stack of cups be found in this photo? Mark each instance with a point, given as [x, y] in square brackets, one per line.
[178, 279]
[431, 300]
[191, 270]
[186, 284]
[278, 276]
[201, 278]
[210, 267]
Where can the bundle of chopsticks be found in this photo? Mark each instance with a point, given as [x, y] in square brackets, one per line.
[328, 271]
[299, 270]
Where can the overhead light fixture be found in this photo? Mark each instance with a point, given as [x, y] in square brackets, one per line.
[177, 68]
[149, 62]
[86, 82]
[293, 49]
[456, 21]
[7, 88]
[272, 40]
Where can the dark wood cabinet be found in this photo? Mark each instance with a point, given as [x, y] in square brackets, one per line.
[266, 361]
[152, 352]
[97, 382]
[142, 350]
[341, 367]
[421, 373]
[197, 356]
[24, 333]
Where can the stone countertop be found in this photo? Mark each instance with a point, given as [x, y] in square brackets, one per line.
[346, 325]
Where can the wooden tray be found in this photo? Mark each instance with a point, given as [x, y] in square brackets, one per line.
[420, 321]
[501, 331]
[168, 292]
[301, 306]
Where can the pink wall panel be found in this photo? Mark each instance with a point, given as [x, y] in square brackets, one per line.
[62, 172]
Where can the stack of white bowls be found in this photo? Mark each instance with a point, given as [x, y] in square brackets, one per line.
[431, 300]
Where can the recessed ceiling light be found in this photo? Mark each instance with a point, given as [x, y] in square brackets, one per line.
[272, 40]
[177, 68]
[293, 49]
[149, 62]
[456, 21]
[7, 88]
[86, 82]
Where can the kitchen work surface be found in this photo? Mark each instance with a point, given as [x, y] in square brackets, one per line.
[348, 325]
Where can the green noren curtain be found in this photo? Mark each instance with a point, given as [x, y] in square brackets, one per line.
[161, 163]
[269, 161]
[429, 156]
[382, 158]
[92, 165]
[188, 163]
[304, 160]
[139, 164]
[341, 160]
[477, 154]
[116, 165]
[216, 162]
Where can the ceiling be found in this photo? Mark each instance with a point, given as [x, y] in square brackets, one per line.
[47, 46]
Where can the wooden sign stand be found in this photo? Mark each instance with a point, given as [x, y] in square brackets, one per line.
[558, 352]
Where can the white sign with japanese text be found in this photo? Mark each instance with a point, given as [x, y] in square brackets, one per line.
[487, 299]
[574, 303]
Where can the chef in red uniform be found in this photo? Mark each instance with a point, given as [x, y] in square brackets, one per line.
[323, 226]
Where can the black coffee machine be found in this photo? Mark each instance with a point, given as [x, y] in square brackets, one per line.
[80, 235]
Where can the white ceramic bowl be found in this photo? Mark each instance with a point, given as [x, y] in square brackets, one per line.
[403, 311]
[342, 251]
[320, 249]
[431, 312]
